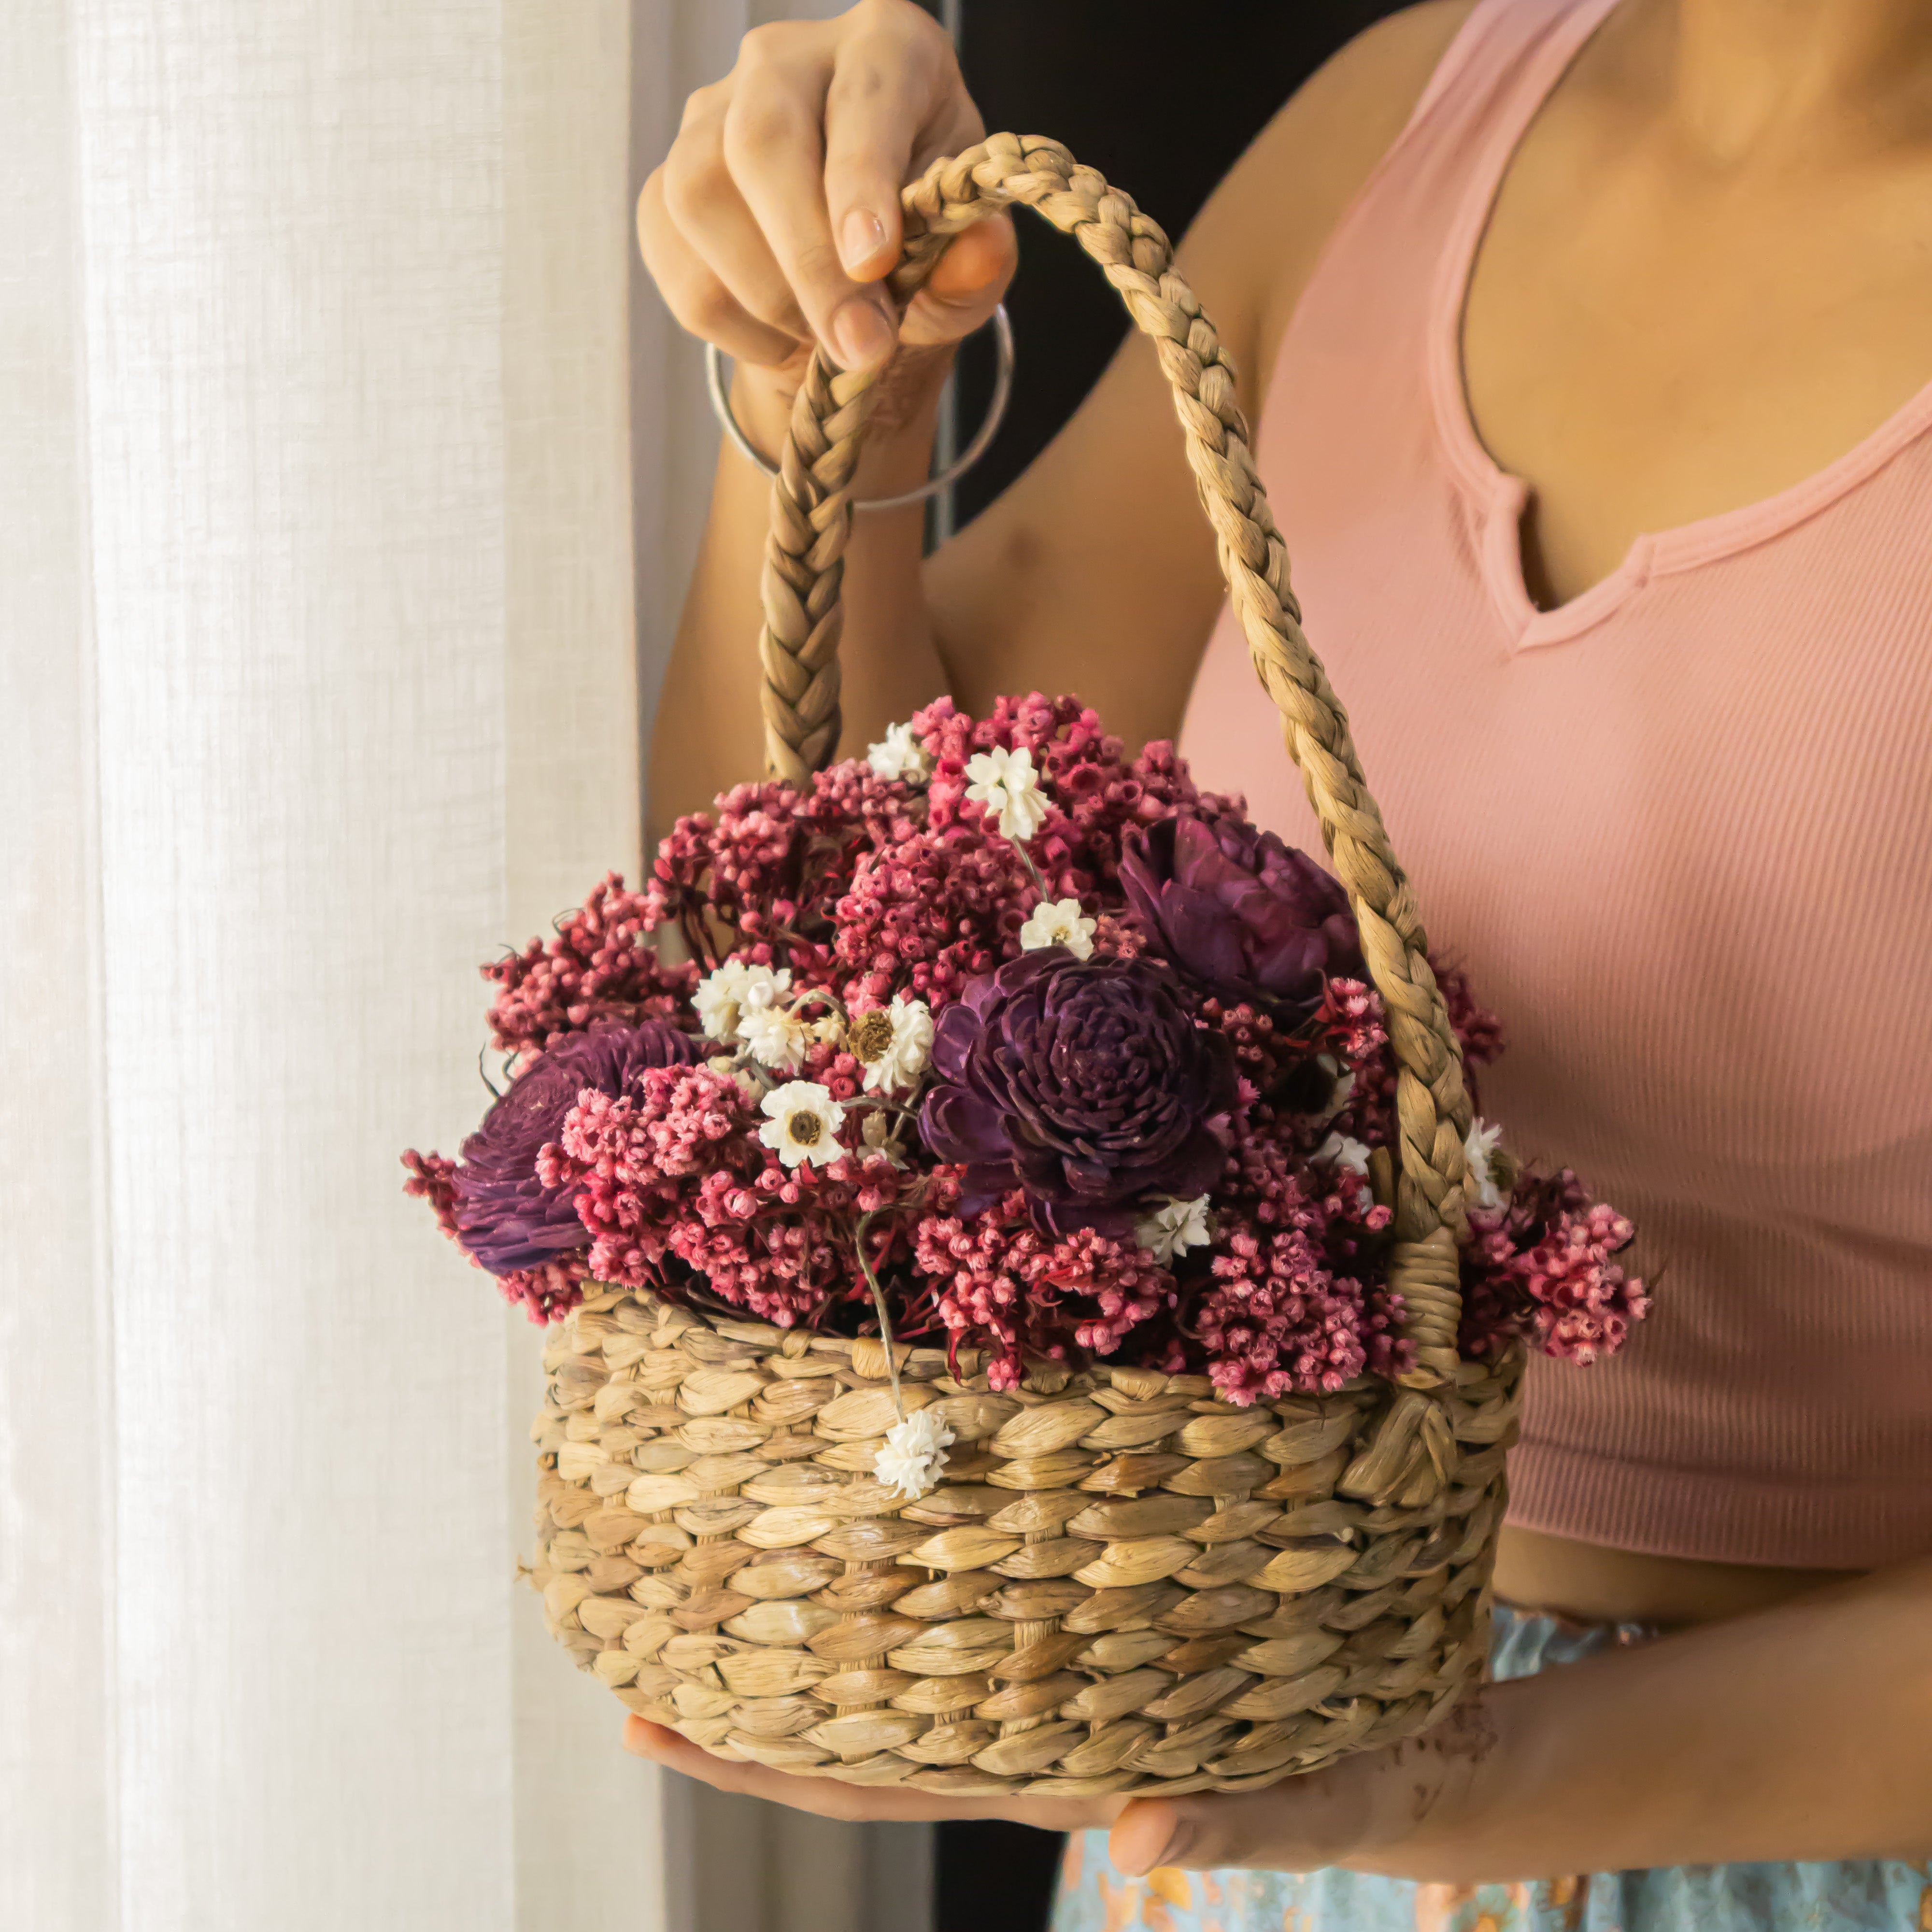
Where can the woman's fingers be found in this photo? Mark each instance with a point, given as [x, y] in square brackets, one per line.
[828, 1798]
[882, 93]
[711, 218]
[777, 211]
[694, 293]
[775, 148]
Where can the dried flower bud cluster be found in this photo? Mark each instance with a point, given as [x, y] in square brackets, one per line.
[1063, 1054]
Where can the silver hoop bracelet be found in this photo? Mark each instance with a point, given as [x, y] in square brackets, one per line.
[996, 410]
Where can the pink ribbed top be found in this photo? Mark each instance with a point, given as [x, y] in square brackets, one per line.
[1680, 830]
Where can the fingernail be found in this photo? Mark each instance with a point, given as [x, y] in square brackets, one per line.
[861, 235]
[860, 333]
[1176, 1850]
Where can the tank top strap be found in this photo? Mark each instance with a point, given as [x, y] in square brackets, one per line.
[1495, 74]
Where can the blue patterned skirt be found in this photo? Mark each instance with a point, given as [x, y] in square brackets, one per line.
[1881, 1895]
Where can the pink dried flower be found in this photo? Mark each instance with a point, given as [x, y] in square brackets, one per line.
[1542, 1266]
[1352, 1013]
[1002, 1285]
[432, 1178]
[597, 967]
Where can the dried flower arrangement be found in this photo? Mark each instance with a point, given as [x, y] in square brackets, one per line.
[996, 1037]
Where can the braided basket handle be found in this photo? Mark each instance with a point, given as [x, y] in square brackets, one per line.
[811, 521]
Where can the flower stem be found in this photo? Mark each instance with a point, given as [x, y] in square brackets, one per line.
[831, 999]
[879, 1303]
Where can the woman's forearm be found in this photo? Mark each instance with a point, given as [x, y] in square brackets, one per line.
[708, 733]
[1800, 1733]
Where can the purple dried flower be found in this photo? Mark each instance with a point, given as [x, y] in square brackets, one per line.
[1087, 1083]
[505, 1216]
[1237, 911]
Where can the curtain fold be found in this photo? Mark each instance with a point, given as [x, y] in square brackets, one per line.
[317, 686]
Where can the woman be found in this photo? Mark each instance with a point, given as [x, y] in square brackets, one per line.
[1587, 340]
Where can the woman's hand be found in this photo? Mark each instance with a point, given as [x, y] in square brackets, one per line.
[1800, 1733]
[1381, 1810]
[770, 223]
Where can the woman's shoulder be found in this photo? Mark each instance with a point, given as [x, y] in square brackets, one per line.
[1266, 225]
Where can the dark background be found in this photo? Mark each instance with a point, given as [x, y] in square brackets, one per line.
[1162, 99]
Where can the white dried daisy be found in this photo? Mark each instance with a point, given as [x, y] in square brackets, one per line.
[803, 1123]
[898, 754]
[913, 1453]
[893, 1043]
[1479, 1150]
[1060, 922]
[723, 997]
[777, 1038]
[1174, 1227]
[1004, 782]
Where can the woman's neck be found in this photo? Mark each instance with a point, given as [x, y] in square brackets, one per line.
[1743, 78]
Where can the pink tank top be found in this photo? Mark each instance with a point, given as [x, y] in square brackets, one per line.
[1680, 831]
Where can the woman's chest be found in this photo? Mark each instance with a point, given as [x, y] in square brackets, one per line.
[1687, 852]
[1649, 341]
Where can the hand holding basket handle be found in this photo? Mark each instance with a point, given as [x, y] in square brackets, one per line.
[811, 519]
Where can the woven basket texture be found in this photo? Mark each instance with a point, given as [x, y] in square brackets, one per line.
[1123, 1583]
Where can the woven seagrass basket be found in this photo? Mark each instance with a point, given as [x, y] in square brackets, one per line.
[1123, 1584]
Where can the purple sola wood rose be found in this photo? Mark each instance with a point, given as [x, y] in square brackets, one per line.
[1240, 912]
[505, 1216]
[1087, 1083]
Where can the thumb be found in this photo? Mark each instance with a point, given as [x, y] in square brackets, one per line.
[1150, 1831]
[1299, 1824]
[965, 286]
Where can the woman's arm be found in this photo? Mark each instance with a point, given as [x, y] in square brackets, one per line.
[1097, 572]
[1800, 1733]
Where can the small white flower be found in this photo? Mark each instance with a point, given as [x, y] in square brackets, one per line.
[724, 998]
[829, 1031]
[716, 1000]
[1352, 1156]
[1003, 781]
[1060, 922]
[913, 1453]
[898, 754]
[1346, 1152]
[1344, 1085]
[804, 1124]
[761, 987]
[877, 1132]
[1479, 1150]
[777, 1038]
[893, 1043]
[1174, 1228]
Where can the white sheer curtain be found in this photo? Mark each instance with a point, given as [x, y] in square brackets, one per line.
[317, 684]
